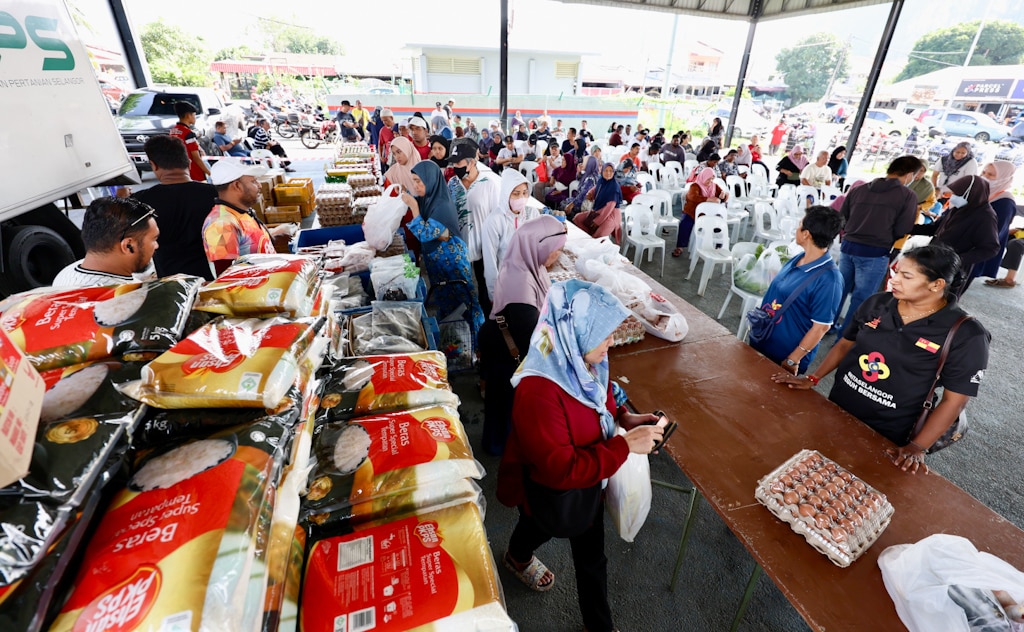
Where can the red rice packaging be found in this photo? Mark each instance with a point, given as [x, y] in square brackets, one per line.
[176, 549]
[229, 363]
[59, 328]
[431, 571]
[382, 383]
[259, 285]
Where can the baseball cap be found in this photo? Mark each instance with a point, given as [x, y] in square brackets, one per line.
[418, 122]
[387, 112]
[462, 149]
[230, 169]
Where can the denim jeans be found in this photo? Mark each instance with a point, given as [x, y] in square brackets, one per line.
[862, 277]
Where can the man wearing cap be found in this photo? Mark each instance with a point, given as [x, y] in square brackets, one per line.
[182, 130]
[418, 135]
[231, 229]
[386, 134]
[509, 156]
[475, 190]
[347, 123]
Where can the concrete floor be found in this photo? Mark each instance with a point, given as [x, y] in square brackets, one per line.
[716, 568]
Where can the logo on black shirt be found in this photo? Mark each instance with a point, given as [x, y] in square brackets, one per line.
[977, 377]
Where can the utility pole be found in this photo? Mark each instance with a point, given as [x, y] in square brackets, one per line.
[668, 70]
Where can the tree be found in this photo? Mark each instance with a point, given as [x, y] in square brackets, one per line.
[809, 67]
[233, 52]
[1001, 43]
[284, 37]
[174, 56]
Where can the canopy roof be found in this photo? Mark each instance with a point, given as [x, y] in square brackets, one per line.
[736, 9]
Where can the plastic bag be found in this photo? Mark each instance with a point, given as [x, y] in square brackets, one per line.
[660, 318]
[755, 275]
[944, 583]
[383, 218]
[394, 276]
[603, 250]
[628, 495]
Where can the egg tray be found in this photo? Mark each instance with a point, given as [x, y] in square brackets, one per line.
[329, 217]
[629, 331]
[851, 543]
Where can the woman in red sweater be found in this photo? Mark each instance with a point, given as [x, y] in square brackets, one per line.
[563, 438]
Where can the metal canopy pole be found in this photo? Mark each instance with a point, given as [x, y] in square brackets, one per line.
[756, 7]
[503, 80]
[876, 70]
[131, 44]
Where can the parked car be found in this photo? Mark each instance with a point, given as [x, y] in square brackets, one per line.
[971, 124]
[891, 122]
[748, 121]
[150, 112]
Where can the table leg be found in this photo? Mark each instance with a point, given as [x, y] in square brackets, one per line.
[691, 513]
[751, 584]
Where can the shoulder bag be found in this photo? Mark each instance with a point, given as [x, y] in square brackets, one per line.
[762, 322]
[509, 342]
[959, 427]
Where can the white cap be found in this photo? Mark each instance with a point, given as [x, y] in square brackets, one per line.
[418, 122]
[230, 169]
[386, 112]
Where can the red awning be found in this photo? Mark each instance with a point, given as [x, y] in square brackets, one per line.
[257, 67]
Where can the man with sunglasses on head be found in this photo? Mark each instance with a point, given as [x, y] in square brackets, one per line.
[120, 237]
[231, 229]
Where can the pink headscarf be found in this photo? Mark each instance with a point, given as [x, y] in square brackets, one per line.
[399, 173]
[705, 181]
[522, 277]
[1000, 186]
[800, 162]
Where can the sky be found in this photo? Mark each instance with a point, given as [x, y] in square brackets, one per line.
[615, 36]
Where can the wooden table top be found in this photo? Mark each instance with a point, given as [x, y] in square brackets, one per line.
[736, 426]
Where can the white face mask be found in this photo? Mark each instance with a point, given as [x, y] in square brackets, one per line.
[960, 201]
[517, 204]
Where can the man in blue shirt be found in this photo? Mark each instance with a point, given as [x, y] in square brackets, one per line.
[801, 326]
[231, 147]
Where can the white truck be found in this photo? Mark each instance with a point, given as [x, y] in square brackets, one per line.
[57, 137]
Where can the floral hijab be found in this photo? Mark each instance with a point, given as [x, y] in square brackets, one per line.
[950, 165]
[576, 318]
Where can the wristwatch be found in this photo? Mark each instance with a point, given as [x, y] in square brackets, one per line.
[790, 362]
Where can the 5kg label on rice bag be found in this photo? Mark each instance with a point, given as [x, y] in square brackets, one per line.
[399, 575]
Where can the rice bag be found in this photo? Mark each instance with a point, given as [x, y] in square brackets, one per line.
[65, 327]
[27, 528]
[229, 363]
[90, 390]
[257, 285]
[159, 425]
[175, 549]
[382, 383]
[432, 571]
[371, 458]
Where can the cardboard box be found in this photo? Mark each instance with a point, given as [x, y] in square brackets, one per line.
[267, 188]
[259, 208]
[305, 183]
[282, 215]
[299, 196]
[21, 400]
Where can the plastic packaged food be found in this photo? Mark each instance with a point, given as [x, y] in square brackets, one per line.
[258, 285]
[426, 572]
[176, 549]
[66, 327]
[229, 363]
[382, 383]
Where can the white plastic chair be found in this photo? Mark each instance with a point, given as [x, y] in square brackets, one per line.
[664, 215]
[674, 166]
[749, 299]
[529, 169]
[712, 235]
[574, 186]
[265, 156]
[646, 182]
[643, 237]
[805, 191]
[766, 223]
[688, 167]
[829, 194]
[760, 171]
[704, 208]
[656, 169]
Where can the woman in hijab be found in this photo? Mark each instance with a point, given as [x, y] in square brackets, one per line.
[837, 204]
[838, 164]
[485, 143]
[606, 218]
[563, 177]
[518, 298]
[439, 148]
[436, 224]
[591, 174]
[743, 156]
[704, 189]
[564, 438]
[439, 125]
[512, 212]
[406, 157]
[968, 226]
[790, 166]
[956, 164]
[999, 174]
[625, 175]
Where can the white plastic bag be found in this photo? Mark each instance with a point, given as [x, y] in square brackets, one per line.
[919, 576]
[660, 318]
[383, 219]
[628, 495]
[759, 275]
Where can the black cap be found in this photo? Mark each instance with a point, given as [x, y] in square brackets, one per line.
[462, 148]
[181, 108]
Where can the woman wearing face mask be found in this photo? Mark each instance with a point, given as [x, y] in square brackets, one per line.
[436, 224]
[606, 218]
[956, 164]
[439, 150]
[518, 297]
[999, 174]
[969, 227]
[512, 212]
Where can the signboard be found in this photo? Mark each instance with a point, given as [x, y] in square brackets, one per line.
[924, 94]
[1018, 91]
[987, 88]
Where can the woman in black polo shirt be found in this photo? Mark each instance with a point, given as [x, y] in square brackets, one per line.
[886, 361]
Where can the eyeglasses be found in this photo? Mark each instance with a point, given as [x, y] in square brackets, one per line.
[561, 234]
[136, 205]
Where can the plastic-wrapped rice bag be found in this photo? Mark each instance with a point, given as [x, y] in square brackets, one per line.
[258, 285]
[431, 571]
[60, 328]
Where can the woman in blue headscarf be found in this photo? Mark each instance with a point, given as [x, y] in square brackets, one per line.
[606, 218]
[435, 222]
[588, 181]
[564, 438]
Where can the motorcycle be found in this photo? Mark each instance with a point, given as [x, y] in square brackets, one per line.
[313, 132]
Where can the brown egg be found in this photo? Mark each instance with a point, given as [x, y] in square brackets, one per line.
[801, 467]
[863, 512]
[822, 521]
[875, 499]
[846, 498]
[791, 497]
[859, 485]
[786, 480]
[839, 506]
[831, 513]
[829, 467]
[815, 500]
[847, 525]
[817, 478]
[855, 518]
[795, 474]
[800, 489]
[831, 489]
[838, 534]
[846, 476]
[777, 487]
[807, 510]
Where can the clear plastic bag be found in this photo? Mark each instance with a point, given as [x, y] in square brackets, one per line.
[392, 275]
[383, 218]
[754, 275]
[628, 495]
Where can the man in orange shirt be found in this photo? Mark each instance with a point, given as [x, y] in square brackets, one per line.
[182, 130]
